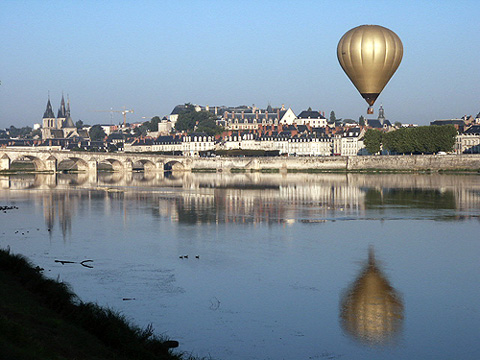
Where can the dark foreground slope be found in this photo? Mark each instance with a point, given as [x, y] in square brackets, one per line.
[42, 319]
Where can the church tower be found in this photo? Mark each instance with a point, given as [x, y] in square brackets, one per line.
[62, 114]
[68, 123]
[48, 121]
[381, 115]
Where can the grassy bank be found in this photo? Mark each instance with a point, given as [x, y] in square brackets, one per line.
[41, 319]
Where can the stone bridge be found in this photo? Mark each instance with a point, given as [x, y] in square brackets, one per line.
[51, 160]
[55, 160]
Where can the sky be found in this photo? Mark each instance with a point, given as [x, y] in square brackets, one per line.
[152, 55]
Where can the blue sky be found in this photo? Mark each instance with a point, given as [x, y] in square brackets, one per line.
[152, 55]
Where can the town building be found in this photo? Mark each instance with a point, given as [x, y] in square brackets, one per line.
[241, 117]
[468, 142]
[312, 118]
[379, 123]
[349, 142]
[458, 123]
[187, 145]
[61, 126]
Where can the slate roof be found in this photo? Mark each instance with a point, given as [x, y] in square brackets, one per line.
[116, 136]
[57, 133]
[310, 115]
[473, 130]
[448, 122]
[376, 124]
[168, 139]
[302, 128]
[48, 114]
[68, 123]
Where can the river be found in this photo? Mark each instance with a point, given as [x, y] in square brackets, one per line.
[279, 266]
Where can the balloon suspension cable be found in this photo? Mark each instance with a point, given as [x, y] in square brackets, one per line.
[370, 110]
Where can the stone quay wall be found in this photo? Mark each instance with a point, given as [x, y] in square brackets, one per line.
[270, 163]
[344, 163]
[415, 162]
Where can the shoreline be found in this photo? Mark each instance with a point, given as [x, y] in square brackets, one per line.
[44, 319]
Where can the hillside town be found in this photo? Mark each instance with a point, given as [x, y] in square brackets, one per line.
[240, 131]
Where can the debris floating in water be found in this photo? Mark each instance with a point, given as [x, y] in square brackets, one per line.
[83, 263]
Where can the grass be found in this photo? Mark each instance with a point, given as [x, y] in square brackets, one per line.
[41, 318]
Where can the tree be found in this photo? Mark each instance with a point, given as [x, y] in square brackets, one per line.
[23, 132]
[373, 141]
[140, 130]
[96, 133]
[332, 116]
[209, 127]
[420, 140]
[79, 124]
[152, 125]
[398, 124]
[191, 120]
[36, 133]
[361, 120]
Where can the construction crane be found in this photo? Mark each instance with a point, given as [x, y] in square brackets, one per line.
[124, 112]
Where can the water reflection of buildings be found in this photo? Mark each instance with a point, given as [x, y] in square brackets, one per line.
[371, 310]
[62, 206]
[253, 197]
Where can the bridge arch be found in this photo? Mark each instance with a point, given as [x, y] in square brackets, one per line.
[72, 164]
[111, 164]
[27, 162]
[173, 165]
[144, 164]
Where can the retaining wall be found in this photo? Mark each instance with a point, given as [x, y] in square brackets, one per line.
[339, 163]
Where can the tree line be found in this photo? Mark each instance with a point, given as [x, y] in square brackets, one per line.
[417, 140]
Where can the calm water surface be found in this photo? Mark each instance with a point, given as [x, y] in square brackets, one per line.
[294, 266]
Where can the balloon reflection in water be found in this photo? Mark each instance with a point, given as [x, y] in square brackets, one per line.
[370, 309]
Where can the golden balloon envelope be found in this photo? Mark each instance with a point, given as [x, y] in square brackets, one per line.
[370, 55]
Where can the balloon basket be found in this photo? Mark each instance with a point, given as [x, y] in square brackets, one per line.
[370, 110]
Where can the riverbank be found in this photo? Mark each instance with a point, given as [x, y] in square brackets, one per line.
[469, 163]
[41, 318]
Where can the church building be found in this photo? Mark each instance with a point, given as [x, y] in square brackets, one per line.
[59, 127]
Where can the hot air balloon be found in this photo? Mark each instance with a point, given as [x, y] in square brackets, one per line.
[370, 55]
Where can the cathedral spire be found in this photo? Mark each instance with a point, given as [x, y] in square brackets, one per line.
[62, 112]
[68, 107]
[48, 114]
